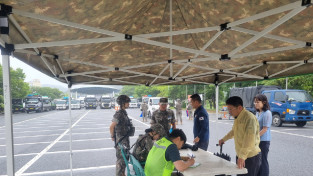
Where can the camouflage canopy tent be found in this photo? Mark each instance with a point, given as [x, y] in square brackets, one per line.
[161, 42]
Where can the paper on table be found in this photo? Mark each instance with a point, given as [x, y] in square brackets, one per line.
[190, 154]
[195, 165]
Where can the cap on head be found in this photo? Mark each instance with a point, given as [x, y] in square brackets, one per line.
[158, 128]
[163, 100]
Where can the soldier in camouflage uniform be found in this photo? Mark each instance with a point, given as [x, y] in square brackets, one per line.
[119, 132]
[164, 116]
[179, 112]
[145, 142]
[144, 109]
[189, 109]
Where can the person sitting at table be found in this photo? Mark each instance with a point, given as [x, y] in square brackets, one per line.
[245, 132]
[164, 155]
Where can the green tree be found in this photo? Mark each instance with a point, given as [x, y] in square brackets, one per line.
[52, 93]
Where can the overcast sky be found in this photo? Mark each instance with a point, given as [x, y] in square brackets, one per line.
[32, 74]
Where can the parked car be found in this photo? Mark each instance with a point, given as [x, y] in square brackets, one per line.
[75, 104]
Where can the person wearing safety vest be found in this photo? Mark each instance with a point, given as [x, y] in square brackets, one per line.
[164, 155]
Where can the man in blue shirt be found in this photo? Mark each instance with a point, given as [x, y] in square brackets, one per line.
[201, 123]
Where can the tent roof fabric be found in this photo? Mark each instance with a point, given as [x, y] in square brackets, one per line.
[164, 42]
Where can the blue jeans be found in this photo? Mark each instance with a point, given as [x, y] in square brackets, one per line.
[264, 169]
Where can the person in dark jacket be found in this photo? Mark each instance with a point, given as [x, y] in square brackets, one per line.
[201, 123]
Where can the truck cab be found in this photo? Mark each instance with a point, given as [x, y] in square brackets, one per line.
[33, 103]
[133, 103]
[153, 104]
[91, 103]
[105, 102]
[17, 105]
[61, 104]
[46, 101]
[290, 106]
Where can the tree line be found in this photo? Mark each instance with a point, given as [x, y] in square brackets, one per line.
[304, 82]
[20, 89]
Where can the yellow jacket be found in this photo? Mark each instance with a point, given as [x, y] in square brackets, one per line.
[245, 132]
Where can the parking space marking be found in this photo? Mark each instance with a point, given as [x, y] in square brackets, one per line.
[29, 119]
[68, 170]
[32, 161]
[292, 134]
[80, 140]
[38, 127]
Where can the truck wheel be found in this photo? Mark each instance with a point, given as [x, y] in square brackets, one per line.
[277, 121]
[301, 124]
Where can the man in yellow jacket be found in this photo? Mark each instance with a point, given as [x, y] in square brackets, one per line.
[245, 132]
[164, 155]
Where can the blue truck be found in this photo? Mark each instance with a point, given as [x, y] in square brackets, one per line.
[287, 106]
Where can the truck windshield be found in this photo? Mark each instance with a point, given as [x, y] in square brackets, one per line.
[32, 100]
[75, 102]
[133, 100]
[155, 101]
[46, 101]
[60, 102]
[299, 96]
[90, 100]
[105, 100]
[17, 101]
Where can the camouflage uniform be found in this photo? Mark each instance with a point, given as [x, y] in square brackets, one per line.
[144, 108]
[190, 113]
[121, 129]
[145, 142]
[165, 118]
[179, 111]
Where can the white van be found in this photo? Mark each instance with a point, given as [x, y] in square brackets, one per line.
[153, 104]
[133, 103]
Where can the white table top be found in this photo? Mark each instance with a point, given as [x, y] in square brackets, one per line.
[211, 165]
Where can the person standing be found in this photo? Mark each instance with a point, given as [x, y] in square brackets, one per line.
[264, 116]
[245, 132]
[178, 108]
[190, 112]
[120, 129]
[164, 116]
[201, 130]
[144, 108]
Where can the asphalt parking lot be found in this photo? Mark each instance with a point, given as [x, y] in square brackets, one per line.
[41, 143]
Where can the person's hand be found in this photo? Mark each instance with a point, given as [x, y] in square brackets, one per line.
[221, 142]
[197, 139]
[191, 161]
[241, 163]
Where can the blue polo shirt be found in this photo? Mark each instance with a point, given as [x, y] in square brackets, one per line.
[265, 119]
[201, 124]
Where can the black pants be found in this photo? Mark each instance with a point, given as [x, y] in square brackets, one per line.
[203, 145]
[252, 164]
[264, 169]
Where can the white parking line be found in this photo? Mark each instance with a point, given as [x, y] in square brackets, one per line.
[80, 140]
[30, 119]
[68, 170]
[38, 127]
[292, 134]
[32, 161]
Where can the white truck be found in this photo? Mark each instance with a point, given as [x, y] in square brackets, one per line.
[133, 103]
[153, 104]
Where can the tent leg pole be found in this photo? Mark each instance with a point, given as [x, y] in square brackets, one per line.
[70, 129]
[216, 102]
[8, 114]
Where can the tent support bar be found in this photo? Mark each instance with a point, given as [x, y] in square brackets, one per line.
[159, 74]
[283, 39]
[243, 72]
[8, 114]
[216, 101]
[287, 69]
[70, 130]
[86, 73]
[18, 27]
[268, 29]
[60, 67]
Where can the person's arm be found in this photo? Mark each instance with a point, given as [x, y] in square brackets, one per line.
[181, 165]
[264, 129]
[152, 121]
[204, 127]
[267, 122]
[173, 121]
[248, 139]
[112, 126]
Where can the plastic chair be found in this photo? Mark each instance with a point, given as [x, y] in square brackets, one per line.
[125, 157]
[137, 166]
